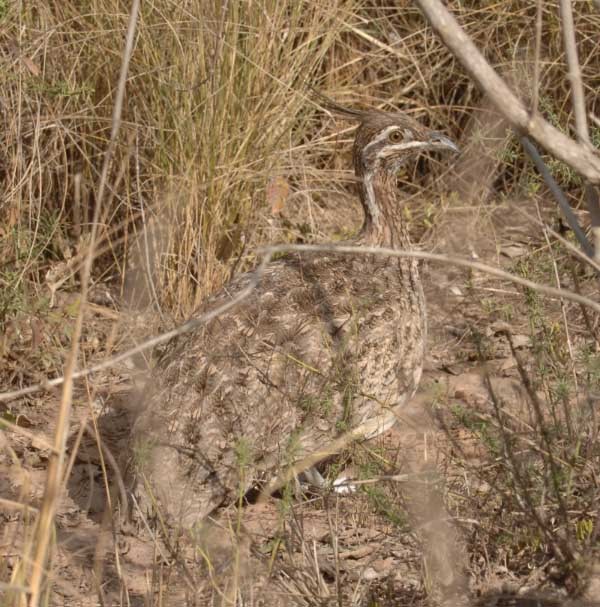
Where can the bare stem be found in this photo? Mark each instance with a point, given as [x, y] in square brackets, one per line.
[578, 100]
[536, 65]
[577, 96]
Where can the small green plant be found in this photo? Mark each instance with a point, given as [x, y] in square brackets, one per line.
[61, 88]
[321, 404]
[142, 452]
[243, 453]
[385, 505]
[584, 529]
[12, 296]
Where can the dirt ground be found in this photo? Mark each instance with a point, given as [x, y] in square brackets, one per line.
[412, 532]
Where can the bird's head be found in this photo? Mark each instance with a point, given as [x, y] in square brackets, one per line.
[385, 141]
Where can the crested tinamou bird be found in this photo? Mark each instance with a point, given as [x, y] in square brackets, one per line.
[327, 342]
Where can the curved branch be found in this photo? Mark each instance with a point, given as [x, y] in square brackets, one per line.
[581, 158]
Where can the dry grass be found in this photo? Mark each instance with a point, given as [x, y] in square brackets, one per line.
[217, 110]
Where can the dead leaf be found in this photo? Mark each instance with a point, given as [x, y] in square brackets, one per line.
[15, 50]
[278, 190]
[30, 65]
[513, 250]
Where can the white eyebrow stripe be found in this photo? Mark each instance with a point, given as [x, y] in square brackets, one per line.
[398, 147]
[383, 135]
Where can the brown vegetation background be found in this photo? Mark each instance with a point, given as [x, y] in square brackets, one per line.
[223, 147]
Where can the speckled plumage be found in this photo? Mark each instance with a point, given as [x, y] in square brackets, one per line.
[326, 342]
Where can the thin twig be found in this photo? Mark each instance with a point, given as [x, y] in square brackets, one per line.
[559, 195]
[536, 64]
[190, 325]
[268, 253]
[569, 246]
[450, 259]
[12, 505]
[546, 440]
[519, 475]
[565, 325]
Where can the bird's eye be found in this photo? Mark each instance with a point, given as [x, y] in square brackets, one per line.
[395, 136]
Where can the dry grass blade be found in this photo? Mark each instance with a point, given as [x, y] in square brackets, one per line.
[56, 463]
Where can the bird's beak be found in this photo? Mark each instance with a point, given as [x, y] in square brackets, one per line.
[438, 140]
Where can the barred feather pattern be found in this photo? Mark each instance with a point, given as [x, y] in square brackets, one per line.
[324, 343]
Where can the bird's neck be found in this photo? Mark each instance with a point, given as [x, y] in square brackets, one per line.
[384, 225]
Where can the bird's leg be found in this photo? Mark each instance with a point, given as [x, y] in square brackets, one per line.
[341, 484]
[313, 477]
